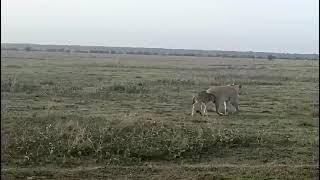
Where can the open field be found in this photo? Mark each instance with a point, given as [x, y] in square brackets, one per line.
[82, 115]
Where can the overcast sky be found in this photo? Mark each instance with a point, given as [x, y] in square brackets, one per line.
[240, 25]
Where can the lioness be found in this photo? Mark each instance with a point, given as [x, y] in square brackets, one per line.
[226, 94]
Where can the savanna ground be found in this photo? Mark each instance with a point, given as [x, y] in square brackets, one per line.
[74, 116]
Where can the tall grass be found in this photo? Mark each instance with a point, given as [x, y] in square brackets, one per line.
[129, 139]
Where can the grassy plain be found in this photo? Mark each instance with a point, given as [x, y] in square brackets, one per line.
[72, 116]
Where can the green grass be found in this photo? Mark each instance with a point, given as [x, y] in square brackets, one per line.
[65, 111]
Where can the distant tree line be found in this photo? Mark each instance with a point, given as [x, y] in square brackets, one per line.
[170, 52]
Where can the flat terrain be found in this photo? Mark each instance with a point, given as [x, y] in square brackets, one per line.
[76, 115]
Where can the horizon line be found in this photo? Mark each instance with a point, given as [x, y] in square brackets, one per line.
[241, 51]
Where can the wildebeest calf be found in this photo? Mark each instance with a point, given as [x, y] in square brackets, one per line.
[202, 97]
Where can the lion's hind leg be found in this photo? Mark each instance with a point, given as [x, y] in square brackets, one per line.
[217, 103]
